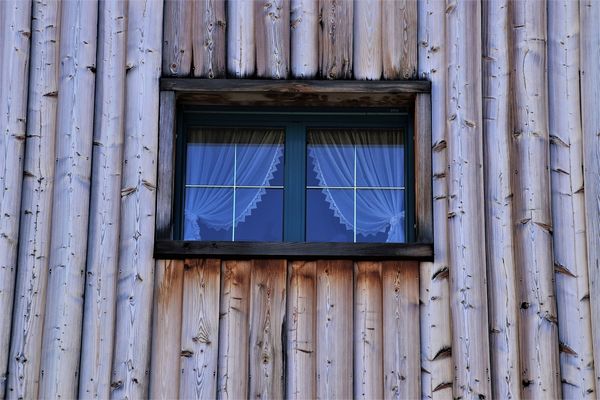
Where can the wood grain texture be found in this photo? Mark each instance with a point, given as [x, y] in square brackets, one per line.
[208, 38]
[304, 47]
[177, 38]
[272, 19]
[502, 274]
[36, 204]
[367, 40]
[166, 158]
[399, 43]
[241, 46]
[589, 13]
[59, 376]
[301, 371]
[335, 39]
[368, 331]
[167, 329]
[532, 209]
[465, 209]
[15, 38]
[436, 333]
[135, 286]
[200, 329]
[422, 143]
[267, 313]
[232, 375]
[334, 329]
[105, 201]
[568, 203]
[401, 344]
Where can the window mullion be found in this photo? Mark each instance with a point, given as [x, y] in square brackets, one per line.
[294, 208]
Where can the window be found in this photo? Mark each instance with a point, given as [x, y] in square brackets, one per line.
[302, 176]
[294, 169]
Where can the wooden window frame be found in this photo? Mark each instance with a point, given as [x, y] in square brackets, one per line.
[413, 96]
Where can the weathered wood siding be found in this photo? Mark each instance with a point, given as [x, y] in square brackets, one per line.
[509, 307]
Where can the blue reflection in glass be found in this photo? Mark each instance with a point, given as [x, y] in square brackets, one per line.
[265, 222]
[321, 223]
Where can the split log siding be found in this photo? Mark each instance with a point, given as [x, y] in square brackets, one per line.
[509, 307]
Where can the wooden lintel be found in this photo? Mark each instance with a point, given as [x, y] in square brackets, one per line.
[175, 249]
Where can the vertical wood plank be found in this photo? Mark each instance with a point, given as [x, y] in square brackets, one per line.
[15, 35]
[532, 209]
[368, 331]
[470, 351]
[166, 174]
[335, 39]
[200, 329]
[232, 377]
[208, 38]
[177, 38]
[401, 341]
[36, 204]
[61, 346]
[589, 13]
[135, 286]
[105, 200]
[399, 44]
[497, 129]
[301, 374]
[241, 52]
[436, 335]
[568, 203]
[334, 329]
[166, 329]
[304, 38]
[423, 196]
[272, 39]
[267, 313]
[367, 40]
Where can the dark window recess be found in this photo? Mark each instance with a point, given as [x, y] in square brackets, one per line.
[294, 177]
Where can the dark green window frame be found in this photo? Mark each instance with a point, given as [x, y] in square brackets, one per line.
[411, 98]
[295, 124]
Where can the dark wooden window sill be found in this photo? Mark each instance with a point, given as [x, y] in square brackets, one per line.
[179, 249]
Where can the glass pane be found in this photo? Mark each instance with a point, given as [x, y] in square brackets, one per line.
[263, 223]
[380, 159]
[252, 158]
[201, 161]
[208, 214]
[330, 159]
[380, 216]
[322, 225]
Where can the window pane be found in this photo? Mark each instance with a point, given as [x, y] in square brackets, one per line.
[265, 222]
[201, 161]
[380, 158]
[380, 216]
[208, 214]
[322, 224]
[330, 159]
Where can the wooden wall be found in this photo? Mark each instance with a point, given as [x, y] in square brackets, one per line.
[509, 308]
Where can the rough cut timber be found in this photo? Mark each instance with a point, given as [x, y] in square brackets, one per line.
[59, 376]
[200, 329]
[367, 40]
[399, 41]
[36, 204]
[177, 37]
[502, 275]
[208, 38]
[103, 233]
[568, 208]
[304, 38]
[538, 332]
[232, 374]
[335, 38]
[166, 329]
[130, 376]
[436, 333]
[241, 52]
[465, 212]
[15, 34]
[590, 104]
[272, 19]
[301, 375]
